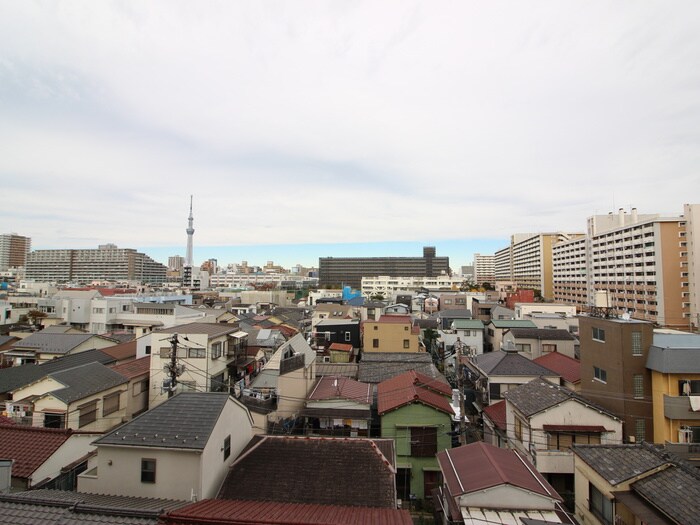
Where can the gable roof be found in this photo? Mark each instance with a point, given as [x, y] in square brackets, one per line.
[376, 367]
[478, 466]
[392, 319]
[135, 368]
[50, 343]
[340, 387]
[563, 365]
[85, 380]
[675, 491]
[543, 334]
[185, 421]
[502, 363]
[29, 447]
[355, 472]
[539, 394]
[619, 463]
[468, 324]
[512, 323]
[122, 351]
[455, 313]
[497, 414]
[210, 329]
[413, 387]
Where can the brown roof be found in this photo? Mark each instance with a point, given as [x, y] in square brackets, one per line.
[394, 319]
[413, 387]
[497, 414]
[325, 471]
[135, 368]
[478, 466]
[210, 329]
[342, 347]
[239, 512]
[29, 447]
[122, 351]
[565, 366]
[341, 387]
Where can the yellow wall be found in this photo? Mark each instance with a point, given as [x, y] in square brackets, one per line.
[667, 384]
[391, 337]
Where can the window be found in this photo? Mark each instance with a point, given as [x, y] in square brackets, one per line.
[88, 413]
[406, 343]
[636, 343]
[689, 387]
[227, 447]
[549, 348]
[110, 404]
[148, 349]
[140, 387]
[376, 327]
[148, 470]
[523, 347]
[348, 335]
[640, 430]
[518, 429]
[188, 386]
[196, 353]
[54, 420]
[423, 441]
[216, 350]
[599, 505]
[600, 374]
[638, 386]
[598, 334]
[375, 343]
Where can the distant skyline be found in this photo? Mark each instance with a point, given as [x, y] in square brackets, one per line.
[341, 125]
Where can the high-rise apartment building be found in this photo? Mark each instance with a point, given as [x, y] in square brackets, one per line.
[690, 254]
[107, 262]
[13, 250]
[484, 268]
[176, 262]
[349, 271]
[527, 262]
[645, 263]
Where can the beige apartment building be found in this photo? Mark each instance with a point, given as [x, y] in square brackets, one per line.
[484, 268]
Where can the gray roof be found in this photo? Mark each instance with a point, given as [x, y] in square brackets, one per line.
[513, 323]
[210, 329]
[185, 421]
[544, 334]
[675, 354]
[375, 367]
[85, 380]
[539, 394]
[510, 364]
[102, 501]
[18, 376]
[619, 463]
[675, 491]
[456, 313]
[53, 343]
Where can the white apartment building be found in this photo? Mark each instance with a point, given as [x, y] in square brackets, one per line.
[388, 286]
[484, 268]
[244, 281]
[570, 271]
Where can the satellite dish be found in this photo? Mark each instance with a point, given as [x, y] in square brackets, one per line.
[626, 316]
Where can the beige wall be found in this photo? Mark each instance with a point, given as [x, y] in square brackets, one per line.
[293, 389]
[74, 448]
[391, 337]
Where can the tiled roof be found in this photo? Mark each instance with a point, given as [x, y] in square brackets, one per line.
[393, 319]
[539, 394]
[354, 472]
[29, 446]
[53, 343]
[675, 491]
[478, 466]
[510, 364]
[619, 463]
[497, 414]
[184, 421]
[239, 512]
[513, 323]
[340, 387]
[135, 368]
[413, 387]
[563, 365]
[122, 351]
[336, 369]
[210, 329]
[468, 324]
[543, 334]
[85, 380]
[341, 347]
[379, 366]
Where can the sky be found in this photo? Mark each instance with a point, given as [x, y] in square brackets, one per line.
[312, 129]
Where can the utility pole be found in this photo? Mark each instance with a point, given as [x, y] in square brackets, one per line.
[460, 385]
[172, 367]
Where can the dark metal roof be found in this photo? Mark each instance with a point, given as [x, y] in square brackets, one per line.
[184, 421]
[675, 354]
[377, 367]
[543, 334]
[53, 343]
[84, 381]
[510, 364]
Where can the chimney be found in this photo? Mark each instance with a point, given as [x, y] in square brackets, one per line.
[621, 217]
[634, 216]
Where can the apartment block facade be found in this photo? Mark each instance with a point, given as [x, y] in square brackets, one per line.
[13, 251]
[484, 268]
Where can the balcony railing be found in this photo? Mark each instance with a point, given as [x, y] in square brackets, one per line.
[678, 407]
[292, 363]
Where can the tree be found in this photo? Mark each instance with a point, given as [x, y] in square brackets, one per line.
[35, 315]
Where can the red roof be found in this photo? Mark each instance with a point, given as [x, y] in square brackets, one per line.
[497, 414]
[122, 351]
[412, 387]
[239, 512]
[478, 466]
[339, 387]
[29, 446]
[342, 347]
[394, 319]
[135, 368]
[565, 366]
[574, 428]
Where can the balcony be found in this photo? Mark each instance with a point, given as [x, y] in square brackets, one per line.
[263, 402]
[291, 363]
[678, 407]
[553, 461]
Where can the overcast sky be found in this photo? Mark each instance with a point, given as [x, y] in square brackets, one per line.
[341, 121]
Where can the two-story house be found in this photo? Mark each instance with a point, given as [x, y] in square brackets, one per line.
[391, 333]
[536, 342]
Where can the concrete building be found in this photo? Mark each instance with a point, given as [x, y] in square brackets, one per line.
[106, 263]
[484, 269]
[348, 271]
[389, 286]
[13, 250]
[391, 333]
[691, 256]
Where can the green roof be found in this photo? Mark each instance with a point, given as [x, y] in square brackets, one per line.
[513, 323]
[468, 324]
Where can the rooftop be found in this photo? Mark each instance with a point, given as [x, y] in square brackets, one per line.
[675, 353]
[497, 413]
[566, 367]
[340, 387]
[619, 463]
[543, 334]
[29, 447]
[413, 387]
[377, 367]
[510, 364]
[85, 380]
[210, 329]
[513, 323]
[135, 368]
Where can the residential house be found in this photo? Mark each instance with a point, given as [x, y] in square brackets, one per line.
[614, 375]
[481, 309]
[674, 362]
[567, 368]
[181, 449]
[454, 301]
[523, 310]
[391, 333]
[415, 412]
[485, 484]
[544, 419]
[211, 356]
[339, 406]
[493, 337]
[469, 333]
[138, 372]
[44, 346]
[495, 424]
[570, 324]
[446, 317]
[277, 394]
[329, 311]
[340, 353]
[502, 313]
[491, 375]
[90, 397]
[345, 331]
[356, 472]
[375, 367]
[634, 484]
[536, 342]
[41, 455]
[398, 308]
